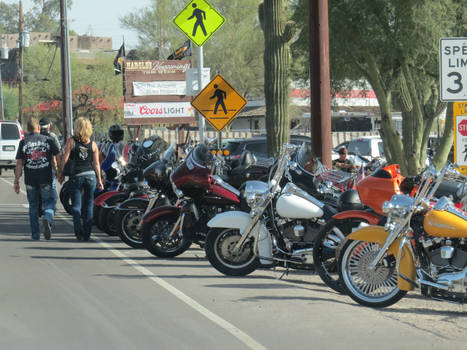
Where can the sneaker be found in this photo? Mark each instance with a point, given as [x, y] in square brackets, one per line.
[35, 238]
[47, 228]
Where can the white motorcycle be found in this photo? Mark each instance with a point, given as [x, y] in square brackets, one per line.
[279, 229]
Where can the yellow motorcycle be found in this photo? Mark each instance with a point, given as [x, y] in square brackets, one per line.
[423, 245]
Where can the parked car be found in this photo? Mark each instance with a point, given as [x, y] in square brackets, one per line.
[10, 136]
[367, 146]
[257, 145]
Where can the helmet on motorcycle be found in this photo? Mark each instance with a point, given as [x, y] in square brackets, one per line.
[349, 200]
[116, 133]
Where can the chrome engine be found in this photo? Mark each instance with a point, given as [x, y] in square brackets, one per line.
[447, 267]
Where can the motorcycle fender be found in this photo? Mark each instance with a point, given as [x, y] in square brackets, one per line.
[239, 220]
[134, 203]
[99, 200]
[371, 218]
[159, 211]
[379, 235]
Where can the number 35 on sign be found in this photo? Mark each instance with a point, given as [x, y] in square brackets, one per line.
[453, 69]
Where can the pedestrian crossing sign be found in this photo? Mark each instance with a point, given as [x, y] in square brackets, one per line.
[219, 103]
[198, 21]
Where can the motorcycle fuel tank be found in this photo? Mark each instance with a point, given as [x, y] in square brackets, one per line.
[294, 207]
[442, 223]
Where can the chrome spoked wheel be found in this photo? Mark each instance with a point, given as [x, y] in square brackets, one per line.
[220, 244]
[130, 226]
[376, 288]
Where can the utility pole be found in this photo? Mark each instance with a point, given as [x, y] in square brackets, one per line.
[20, 86]
[2, 110]
[321, 137]
[66, 74]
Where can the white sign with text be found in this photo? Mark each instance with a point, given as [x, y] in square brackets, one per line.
[153, 88]
[158, 110]
[453, 69]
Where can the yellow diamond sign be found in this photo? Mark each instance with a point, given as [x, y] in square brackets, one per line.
[198, 21]
[219, 103]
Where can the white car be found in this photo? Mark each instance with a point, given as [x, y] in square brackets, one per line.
[10, 136]
[367, 146]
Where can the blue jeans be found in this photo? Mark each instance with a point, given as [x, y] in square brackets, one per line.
[46, 194]
[82, 203]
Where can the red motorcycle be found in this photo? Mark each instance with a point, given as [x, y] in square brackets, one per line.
[169, 231]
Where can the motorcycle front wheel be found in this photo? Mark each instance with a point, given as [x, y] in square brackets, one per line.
[374, 288]
[129, 232]
[219, 251]
[157, 239]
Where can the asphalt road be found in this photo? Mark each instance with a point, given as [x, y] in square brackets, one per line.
[101, 294]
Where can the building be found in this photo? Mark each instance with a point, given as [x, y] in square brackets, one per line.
[77, 42]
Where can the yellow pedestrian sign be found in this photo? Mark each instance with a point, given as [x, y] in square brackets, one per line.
[219, 103]
[198, 21]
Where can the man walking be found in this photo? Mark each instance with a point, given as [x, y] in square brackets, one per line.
[45, 130]
[36, 153]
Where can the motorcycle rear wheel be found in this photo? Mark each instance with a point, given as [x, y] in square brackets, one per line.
[326, 248]
[219, 245]
[156, 237]
[374, 288]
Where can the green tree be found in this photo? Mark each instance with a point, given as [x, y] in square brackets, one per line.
[8, 18]
[100, 100]
[234, 51]
[393, 45]
[278, 33]
[156, 33]
[43, 17]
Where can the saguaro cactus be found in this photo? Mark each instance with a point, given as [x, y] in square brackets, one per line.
[277, 35]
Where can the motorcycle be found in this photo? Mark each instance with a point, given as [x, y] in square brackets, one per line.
[278, 229]
[169, 231]
[131, 181]
[422, 245]
[130, 212]
[362, 207]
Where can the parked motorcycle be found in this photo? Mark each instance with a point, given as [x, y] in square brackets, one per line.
[130, 177]
[130, 212]
[279, 228]
[362, 207]
[169, 231]
[423, 245]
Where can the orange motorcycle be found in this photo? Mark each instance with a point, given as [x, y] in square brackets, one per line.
[363, 207]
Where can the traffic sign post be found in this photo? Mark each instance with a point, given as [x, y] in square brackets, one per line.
[219, 103]
[198, 21]
[453, 69]
[460, 135]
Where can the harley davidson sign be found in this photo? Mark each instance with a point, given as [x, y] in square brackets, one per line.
[157, 67]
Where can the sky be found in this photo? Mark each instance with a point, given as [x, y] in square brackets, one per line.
[100, 18]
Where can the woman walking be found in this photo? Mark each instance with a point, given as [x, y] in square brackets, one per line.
[84, 154]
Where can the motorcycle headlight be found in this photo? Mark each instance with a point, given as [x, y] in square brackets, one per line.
[254, 199]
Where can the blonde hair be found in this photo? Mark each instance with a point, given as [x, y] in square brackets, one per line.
[82, 130]
[32, 125]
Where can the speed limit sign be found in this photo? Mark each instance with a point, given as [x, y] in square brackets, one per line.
[453, 69]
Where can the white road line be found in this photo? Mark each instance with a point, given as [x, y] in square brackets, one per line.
[11, 184]
[236, 332]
